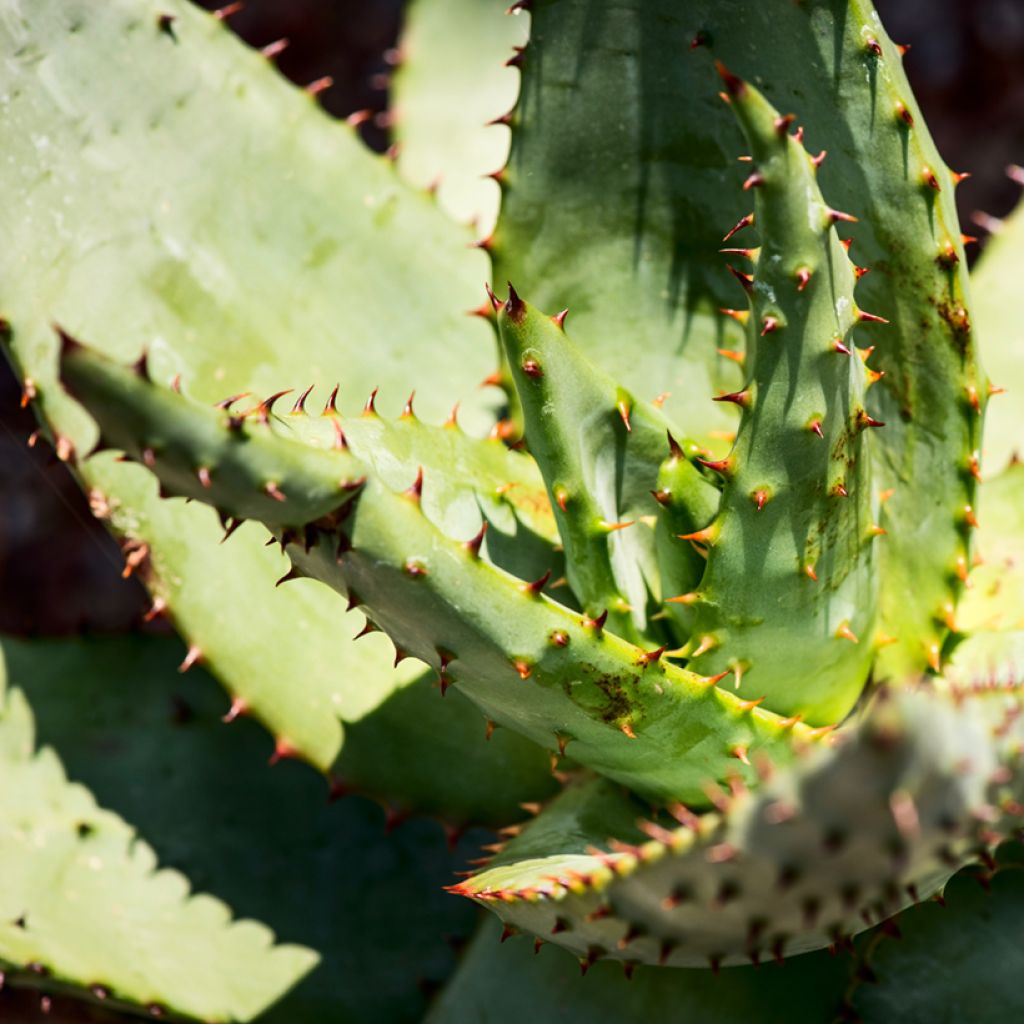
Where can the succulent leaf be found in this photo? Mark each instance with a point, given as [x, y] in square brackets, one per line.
[600, 452]
[151, 745]
[107, 118]
[994, 284]
[449, 96]
[528, 662]
[545, 985]
[640, 109]
[797, 509]
[82, 901]
[846, 837]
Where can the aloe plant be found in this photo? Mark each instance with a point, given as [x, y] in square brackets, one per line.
[694, 574]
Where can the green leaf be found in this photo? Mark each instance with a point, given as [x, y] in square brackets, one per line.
[450, 84]
[332, 875]
[798, 501]
[951, 963]
[846, 837]
[480, 626]
[81, 899]
[994, 284]
[623, 153]
[175, 194]
[600, 452]
[506, 984]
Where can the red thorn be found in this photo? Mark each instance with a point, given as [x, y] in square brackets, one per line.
[273, 491]
[319, 85]
[266, 407]
[744, 279]
[803, 277]
[929, 179]
[596, 624]
[740, 398]
[760, 498]
[226, 403]
[340, 444]
[723, 466]
[407, 413]
[732, 354]
[646, 658]
[230, 9]
[358, 117]
[282, 750]
[523, 668]
[859, 272]
[192, 657]
[274, 49]
[495, 301]
[705, 536]
[739, 315]
[532, 369]
[473, 544]
[157, 609]
[415, 490]
[516, 60]
[239, 706]
[623, 407]
[837, 215]
[743, 222]
[839, 491]
[368, 628]
[815, 427]
[534, 589]
[904, 114]
[755, 180]
[845, 633]
[734, 85]
[769, 324]
[820, 158]
[515, 308]
[453, 417]
[864, 420]
[732, 250]
[331, 406]
[783, 123]
[870, 318]
[559, 319]
[492, 380]
[370, 409]
[176, 384]
[838, 346]
[673, 446]
[811, 573]
[691, 598]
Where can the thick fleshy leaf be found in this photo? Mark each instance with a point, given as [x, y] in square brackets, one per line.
[452, 82]
[818, 853]
[956, 962]
[82, 900]
[332, 875]
[623, 153]
[506, 984]
[995, 284]
[175, 194]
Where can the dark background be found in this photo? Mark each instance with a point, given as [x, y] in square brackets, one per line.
[60, 572]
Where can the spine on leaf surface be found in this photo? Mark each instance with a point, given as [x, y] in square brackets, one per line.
[788, 600]
[556, 675]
